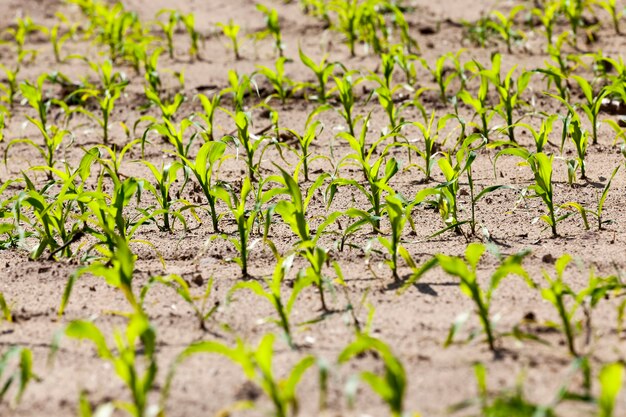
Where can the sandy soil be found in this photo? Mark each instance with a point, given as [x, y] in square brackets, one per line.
[415, 323]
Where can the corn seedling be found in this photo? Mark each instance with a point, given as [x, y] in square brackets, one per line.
[398, 214]
[509, 91]
[243, 218]
[19, 33]
[112, 89]
[16, 375]
[610, 6]
[231, 30]
[51, 218]
[209, 155]
[178, 284]
[377, 172]
[117, 271]
[189, 22]
[430, 136]
[479, 104]
[272, 28]
[165, 177]
[239, 88]
[168, 107]
[345, 90]
[579, 137]
[542, 136]
[272, 292]
[137, 372]
[503, 25]
[58, 38]
[173, 18]
[601, 200]
[293, 213]
[280, 82]
[322, 72]
[257, 367]
[347, 20]
[5, 309]
[558, 292]
[249, 141]
[547, 15]
[611, 379]
[541, 166]
[311, 131]
[466, 271]
[12, 87]
[510, 402]
[443, 77]
[174, 134]
[391, 386]
[210, 105]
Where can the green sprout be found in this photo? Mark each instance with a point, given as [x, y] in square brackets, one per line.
[231, 30]
[272, 28]
[467, 272]
[391, 386]
[257, 367]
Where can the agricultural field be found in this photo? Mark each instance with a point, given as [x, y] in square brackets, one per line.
[312, 207]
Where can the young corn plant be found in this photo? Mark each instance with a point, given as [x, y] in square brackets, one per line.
[541, 166]
[178, 284]
[173, 18]
[431, 137]
[19, 375]
[508, 401]
[447, 193]
[272, 28]
[467, 272]
[579, 137]
[547, 15]
[12, 88]
[312, 130]
[210, 106]
[601, 200]
[391, 386]
[377, 172]
[114, 84]
[509, 91]
[281, 83]
[208, 157]
[611, 7]
[272, 292]
[293, 213]
[345, 90]
[189, 23]
[542, 136]
[347, 20]
[322, 71]
[556, 293]
[480, 105]
[504, 25]
[249, 141]
[398, 213]
[59, 36]
[165, 178]
[257, 367]
[244, 219]
[52, 221]
[442, 77]
[611, 380]
[137, 372]
[231, 31]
